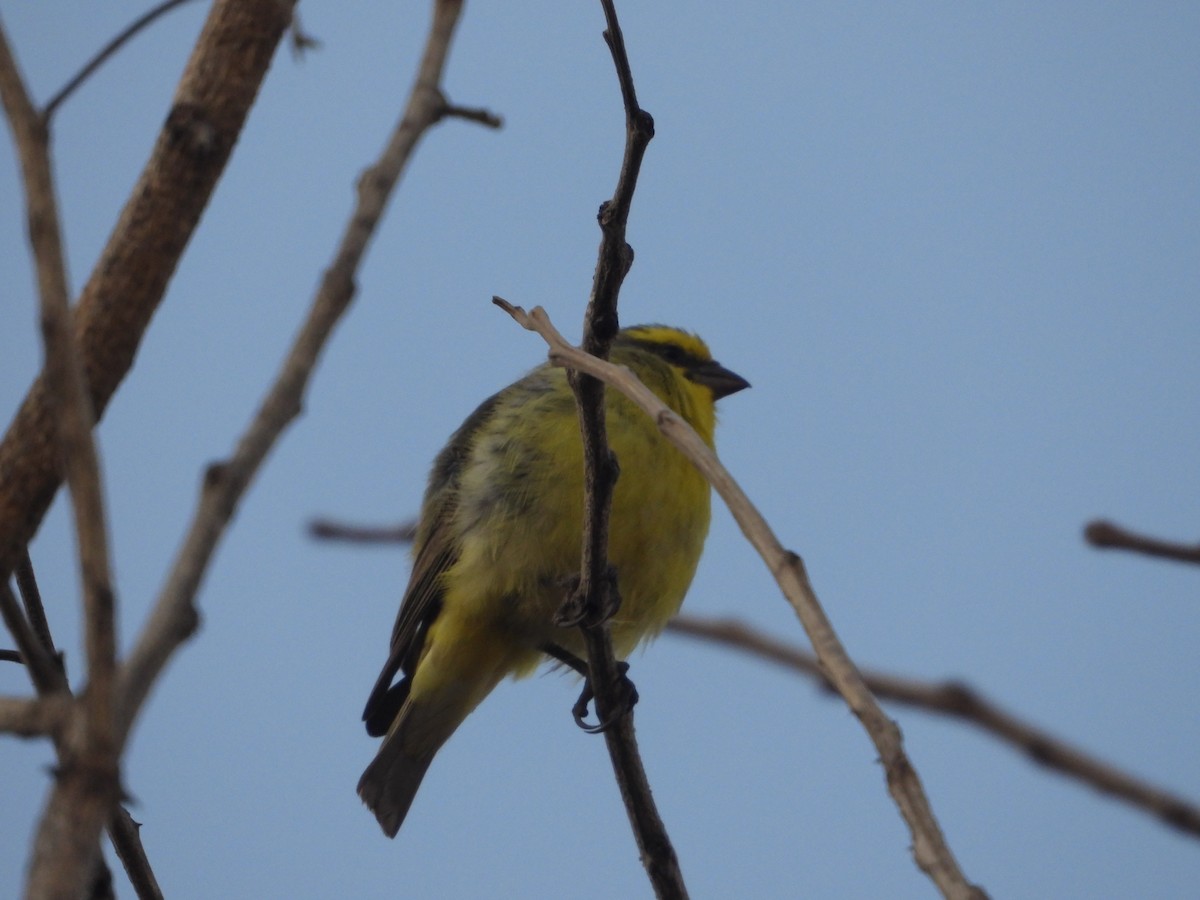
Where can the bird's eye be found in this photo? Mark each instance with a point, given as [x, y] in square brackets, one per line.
[674, 355]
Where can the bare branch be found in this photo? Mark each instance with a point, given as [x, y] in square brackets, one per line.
[930, 850]
[130, 277]
[126, 839]
[46, 676]
[42, 717]
[174, 616]
[1107, 535]
[61, 407]
[66, 848]
[961, 701]
[476, 114]
[596, 597]
[107, 51]
[68, 394]
[31, 598]
[328, 530]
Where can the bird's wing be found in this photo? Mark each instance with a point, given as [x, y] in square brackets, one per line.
[421, 604]
[437, 551]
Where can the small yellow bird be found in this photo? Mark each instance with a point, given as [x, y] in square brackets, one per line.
[500, 537]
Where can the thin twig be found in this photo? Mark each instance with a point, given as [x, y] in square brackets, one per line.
[1109, 536]
[929, 847]
[43, 673]
[328, 530]
[88, 781]
[174, 616]
[597, 595]
[476, 114]
[105, 52]
[960, 701]
[31, 598]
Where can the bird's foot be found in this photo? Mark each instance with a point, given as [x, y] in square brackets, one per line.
[580, 611]
[626, 699]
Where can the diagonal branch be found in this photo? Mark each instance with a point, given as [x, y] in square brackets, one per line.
[174, 617]
[131, 276]
[930, 849]
[105, 53]
[958, 700]
[58, 414]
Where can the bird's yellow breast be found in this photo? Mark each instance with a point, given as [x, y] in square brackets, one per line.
[520, 514]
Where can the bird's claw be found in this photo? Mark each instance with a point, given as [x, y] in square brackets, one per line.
[626, 697]
[576, 612]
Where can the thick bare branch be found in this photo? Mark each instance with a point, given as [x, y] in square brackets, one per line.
[210, 106]
[174, 616]
[56, 420]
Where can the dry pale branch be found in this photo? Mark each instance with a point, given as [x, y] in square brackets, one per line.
[87, 782]
[1108, 536]
[174, 616]
[127, 841]
[55, 421]
[51, 683]
[930, 849]
[130, 278]
[37, 718]
[958, 700]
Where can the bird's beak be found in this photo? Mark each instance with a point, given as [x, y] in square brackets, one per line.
[720, 380]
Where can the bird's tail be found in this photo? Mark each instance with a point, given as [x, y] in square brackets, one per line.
[390, 782]
[424, 723]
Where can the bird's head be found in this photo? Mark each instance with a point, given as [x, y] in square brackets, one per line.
[687, 353]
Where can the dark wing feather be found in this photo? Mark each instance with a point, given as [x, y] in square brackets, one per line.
[437, 551]
[421, 605]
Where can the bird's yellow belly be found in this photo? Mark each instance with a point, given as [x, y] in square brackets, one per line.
[513, 575]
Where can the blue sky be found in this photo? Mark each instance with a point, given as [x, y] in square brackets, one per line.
[954, 247]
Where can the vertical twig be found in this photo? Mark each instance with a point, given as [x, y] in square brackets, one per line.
[35, 610]
[595, 597]
[87, 784]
